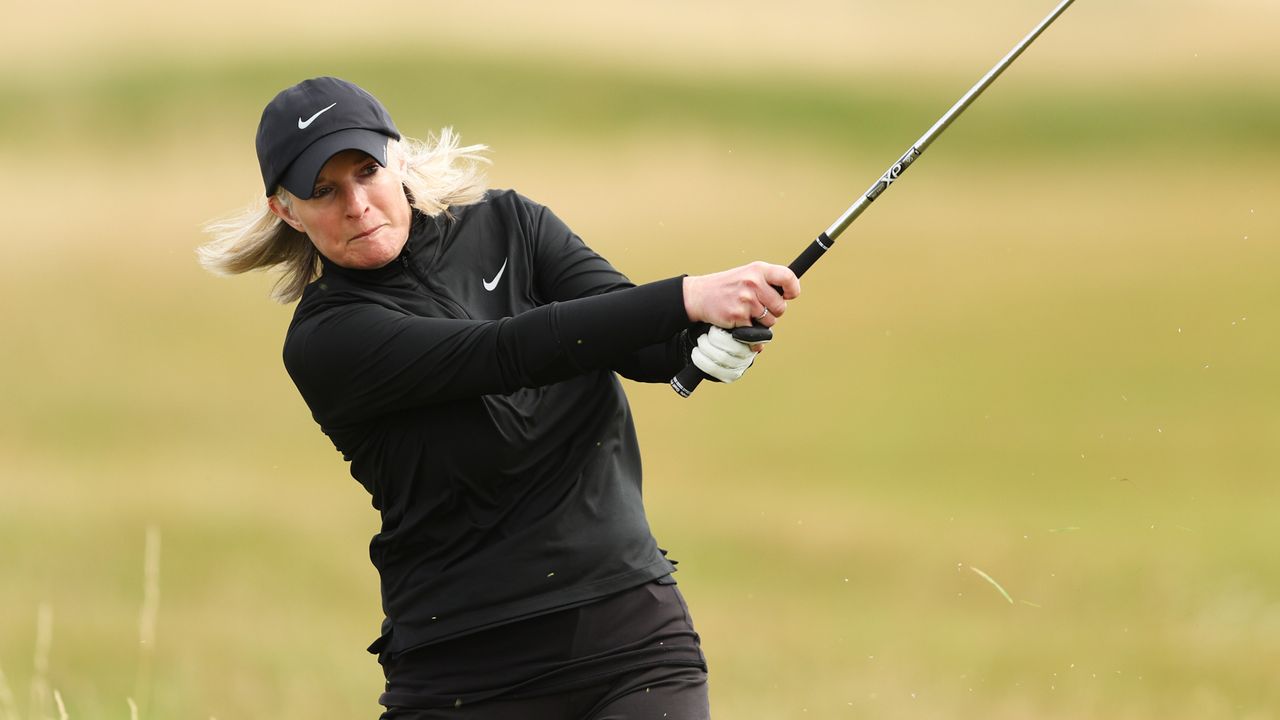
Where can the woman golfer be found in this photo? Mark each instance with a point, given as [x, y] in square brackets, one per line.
[459, 346]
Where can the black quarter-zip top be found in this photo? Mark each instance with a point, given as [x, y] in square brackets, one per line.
[471, 386]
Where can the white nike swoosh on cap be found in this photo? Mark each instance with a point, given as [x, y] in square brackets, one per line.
[304, 125]
[491, 284]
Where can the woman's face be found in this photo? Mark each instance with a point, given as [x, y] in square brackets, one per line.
[357, 216]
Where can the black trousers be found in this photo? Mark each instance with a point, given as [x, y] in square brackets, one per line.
[658, 693]
[629, 656]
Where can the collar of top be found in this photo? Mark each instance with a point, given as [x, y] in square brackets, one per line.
[308, 123]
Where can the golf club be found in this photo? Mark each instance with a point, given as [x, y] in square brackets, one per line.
[687, 380]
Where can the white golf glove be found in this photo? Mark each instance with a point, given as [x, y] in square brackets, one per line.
[721, 357]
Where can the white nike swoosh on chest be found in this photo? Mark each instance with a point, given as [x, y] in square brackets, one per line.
[303, 125]
[491, 284]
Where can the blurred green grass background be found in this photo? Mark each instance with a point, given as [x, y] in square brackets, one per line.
[1048, 354]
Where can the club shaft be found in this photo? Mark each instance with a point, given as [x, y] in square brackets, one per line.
[895, 171]
[687, 380]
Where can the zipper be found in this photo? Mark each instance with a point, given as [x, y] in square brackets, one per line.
[404, 261]
[427, 289]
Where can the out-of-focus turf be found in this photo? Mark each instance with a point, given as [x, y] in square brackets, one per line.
[130, 103]
[1048, 354]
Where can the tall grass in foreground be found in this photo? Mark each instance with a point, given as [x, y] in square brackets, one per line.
[44, 697]
[8, 708]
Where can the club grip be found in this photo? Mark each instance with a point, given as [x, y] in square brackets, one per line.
[812, 252]
[753, 335]
[688, 379]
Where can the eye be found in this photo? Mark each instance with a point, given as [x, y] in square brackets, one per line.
[321, 192]
[370, 169]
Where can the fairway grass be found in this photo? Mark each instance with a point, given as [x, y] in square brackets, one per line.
[957, 383]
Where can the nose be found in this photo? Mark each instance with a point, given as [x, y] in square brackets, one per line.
[354, 200]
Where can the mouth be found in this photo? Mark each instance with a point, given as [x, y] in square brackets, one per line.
[367, 233]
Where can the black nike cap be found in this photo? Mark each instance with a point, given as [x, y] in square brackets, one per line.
[305, 125]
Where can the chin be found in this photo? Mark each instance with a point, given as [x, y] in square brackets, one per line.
[374, 255]
[373, 262]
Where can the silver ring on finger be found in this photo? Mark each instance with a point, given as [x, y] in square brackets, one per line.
[762, 314]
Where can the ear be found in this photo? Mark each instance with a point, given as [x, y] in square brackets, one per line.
[285, 213]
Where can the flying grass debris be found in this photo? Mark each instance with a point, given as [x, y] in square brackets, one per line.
[62, 708]
[994, 584]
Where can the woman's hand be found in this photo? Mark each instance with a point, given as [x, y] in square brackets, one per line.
[737, 297]
[721, 357]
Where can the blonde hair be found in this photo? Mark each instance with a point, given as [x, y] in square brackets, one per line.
[436, 173]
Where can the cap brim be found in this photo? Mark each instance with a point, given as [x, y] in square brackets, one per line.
[300, 177]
